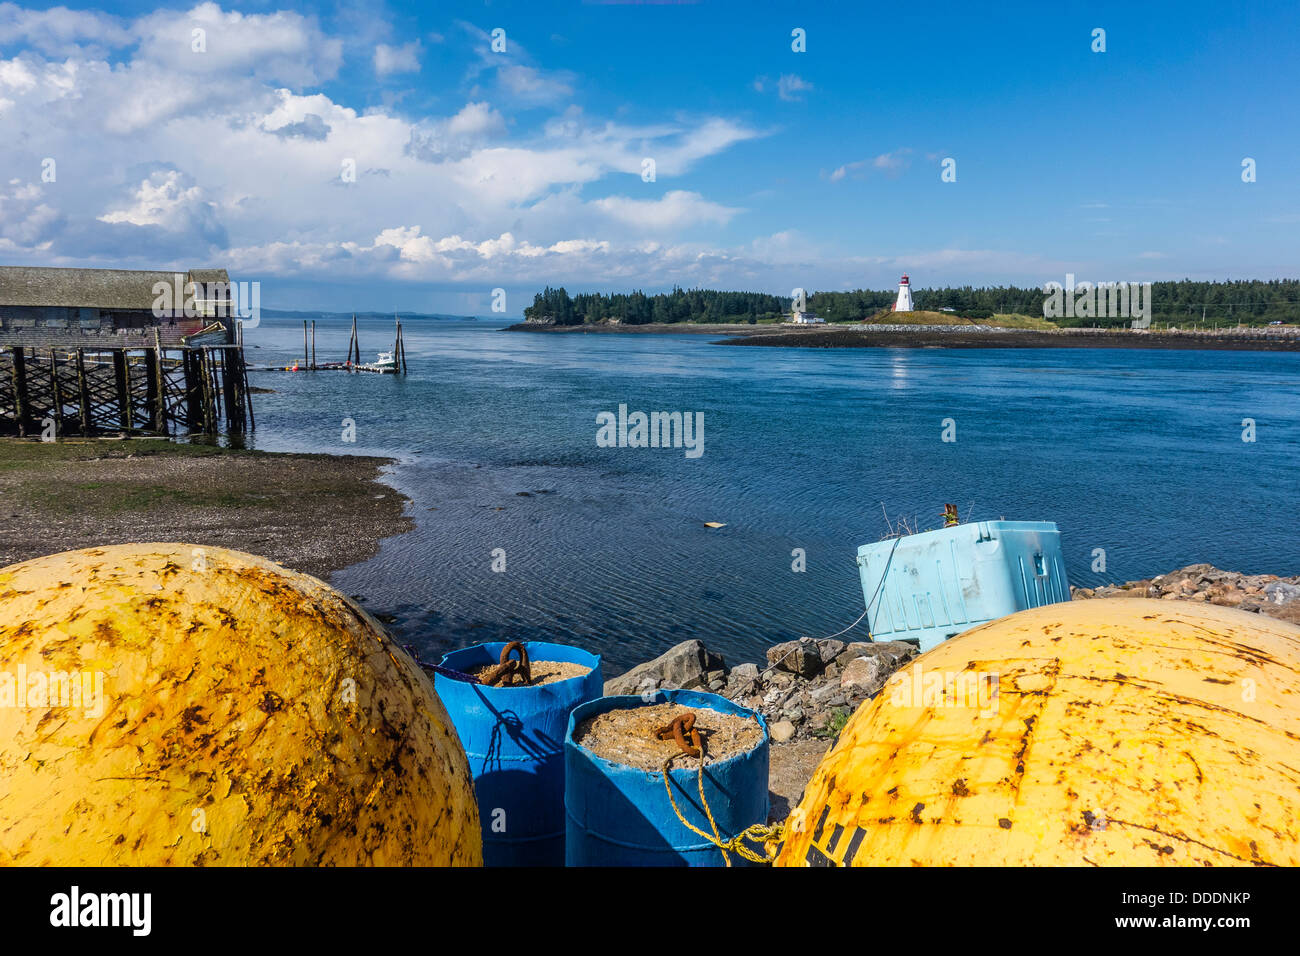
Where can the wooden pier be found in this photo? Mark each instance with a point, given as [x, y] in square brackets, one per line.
[163, 390]
[308, 362]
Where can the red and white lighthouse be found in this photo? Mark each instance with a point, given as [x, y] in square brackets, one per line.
[904, 303]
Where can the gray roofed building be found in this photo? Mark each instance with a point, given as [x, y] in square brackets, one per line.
[119, 307]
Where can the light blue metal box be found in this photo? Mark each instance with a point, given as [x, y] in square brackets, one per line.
[931, 586]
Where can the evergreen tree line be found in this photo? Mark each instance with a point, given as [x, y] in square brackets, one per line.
[637, 308]
[1179, 303]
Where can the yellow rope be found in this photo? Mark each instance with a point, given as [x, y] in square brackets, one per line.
[768, 837]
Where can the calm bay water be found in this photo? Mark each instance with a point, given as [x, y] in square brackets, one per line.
[1137, 452]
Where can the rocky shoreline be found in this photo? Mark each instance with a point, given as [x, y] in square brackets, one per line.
[949, 337]
[971, 335]
[807, 689]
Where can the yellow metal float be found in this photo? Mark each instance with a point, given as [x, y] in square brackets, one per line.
[169, 704]
[1103, 732]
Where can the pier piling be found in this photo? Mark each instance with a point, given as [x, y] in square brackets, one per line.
[143, 390]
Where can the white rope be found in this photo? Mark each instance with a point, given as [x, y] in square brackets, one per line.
[847, 629]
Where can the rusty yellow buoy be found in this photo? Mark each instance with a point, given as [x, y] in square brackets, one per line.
[170, 704]
[1121, 732]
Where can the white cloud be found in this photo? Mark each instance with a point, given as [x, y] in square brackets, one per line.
[282, 47]
[790, 85]
[676, 209]
[457, 136]
[397, 59]
[234, 156]
[892, 164]
[60, 31]
[530, 83]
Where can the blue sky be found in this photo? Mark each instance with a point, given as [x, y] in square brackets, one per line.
[478, 169]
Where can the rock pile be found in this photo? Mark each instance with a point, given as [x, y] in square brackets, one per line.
[1261, 593]
[809, 688]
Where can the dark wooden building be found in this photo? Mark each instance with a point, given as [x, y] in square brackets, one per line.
[94, 351]
[111, 307]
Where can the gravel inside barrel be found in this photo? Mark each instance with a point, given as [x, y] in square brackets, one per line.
[629, 736]
[543, 672]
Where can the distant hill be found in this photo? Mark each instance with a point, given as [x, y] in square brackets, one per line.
[404, 316]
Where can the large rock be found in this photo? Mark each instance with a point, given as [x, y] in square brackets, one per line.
[781, 731]
[796, 657]
[863, 676]
[1280, 592]
[805, 657]
[685, 666]
[744, 672]
[892, 654]
[866, 666]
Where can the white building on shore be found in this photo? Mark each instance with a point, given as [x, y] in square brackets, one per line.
[805, 318]
[904, 303]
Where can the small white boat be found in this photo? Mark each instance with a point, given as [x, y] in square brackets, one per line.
[384, 365]
[212, 334]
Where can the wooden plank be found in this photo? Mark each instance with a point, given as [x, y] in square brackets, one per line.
[83, 392]
[243, 369]
[158, 387]
[56, 398]
[20, 389]
[122, 378]
[193, 391]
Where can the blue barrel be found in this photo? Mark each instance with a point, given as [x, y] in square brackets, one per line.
[514, 738]
[621, 816]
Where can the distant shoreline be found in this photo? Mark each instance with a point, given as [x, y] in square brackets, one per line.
[1016, 339]
[650, 328]
[921, 336]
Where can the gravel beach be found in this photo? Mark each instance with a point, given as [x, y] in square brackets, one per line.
[311, 513]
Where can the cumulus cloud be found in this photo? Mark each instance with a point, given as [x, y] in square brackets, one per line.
[168, 200]
[62, 32]
[227, 151]
[397, 59]
[281, 47]
[310, 126]
[26, 220]
[673, 211]
[457, 136]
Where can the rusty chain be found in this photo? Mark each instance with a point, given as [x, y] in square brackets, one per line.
[508, 671]
[683, 729]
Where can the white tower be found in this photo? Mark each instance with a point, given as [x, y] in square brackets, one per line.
[904, 303]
